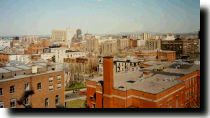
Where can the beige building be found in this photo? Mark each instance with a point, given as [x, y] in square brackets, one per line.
[122, 43]
[30, 39]
[153, 44]
[146, 35]
[135, 36]
[62, 35]
[108, 48]
[92, 44]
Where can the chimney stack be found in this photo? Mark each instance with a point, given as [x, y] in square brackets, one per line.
[107, 81]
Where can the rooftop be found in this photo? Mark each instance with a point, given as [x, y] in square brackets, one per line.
[12, 68]
[155, 83]
[3, 70]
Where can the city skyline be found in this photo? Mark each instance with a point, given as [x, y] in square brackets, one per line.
[99, 16]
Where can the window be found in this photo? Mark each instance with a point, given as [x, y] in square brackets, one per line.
[190, 82]
[190, 92]
[39, 86]
[193, 80]
[59, 86]
[193, 92]
[50, 87]
[161, 106]
[50, 79]
[57, 100]
[1, 91]
[12, 103]
[59, 77]
[167, 104]
[1, 104]
[26, 86]
[12, 89]
[46, 103]
[185, 95]
[170, 103]
[27, 100]
[177, 99]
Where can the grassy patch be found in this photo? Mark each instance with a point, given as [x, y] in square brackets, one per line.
[76, 85]
[76, 104]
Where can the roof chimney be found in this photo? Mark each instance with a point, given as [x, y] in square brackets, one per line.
[34, 69]
[108, 80]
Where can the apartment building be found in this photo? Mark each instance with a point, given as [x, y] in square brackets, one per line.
[108, 48]
[178, 86]
[92, 44]
[156, 55]
[32, 86]
[59, 54]
[146, 36]
[79, 32]
[122, 43]
[34, 49]
[30, 39]
[62, 35]
[136, 36]
[46, 43]
[153, 44]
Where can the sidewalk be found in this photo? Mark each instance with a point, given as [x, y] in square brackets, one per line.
[84, 97]
[84, 89]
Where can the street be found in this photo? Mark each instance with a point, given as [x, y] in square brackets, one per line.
[69, 95]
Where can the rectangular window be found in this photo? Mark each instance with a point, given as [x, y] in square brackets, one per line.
[185, 95]
[1, 104]
[51, 88]
[26, 86]
[12, 89]
[161, 106]
[12, 103]
[190, 82]
[93, 105]
[193, 91]
[50, 79]
[193, 80]
[167, 104]
[59, 77]
[170, 103]
[59, 86]
[39, 86]
[1, 91]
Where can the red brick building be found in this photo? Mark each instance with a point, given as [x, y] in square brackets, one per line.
[168, 56]
[37, 88]
[46, 43]
[4, 58]
[177, 89]
[34, 49]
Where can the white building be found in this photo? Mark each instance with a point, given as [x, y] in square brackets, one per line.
[140, 43]
[22, 58]
[4, 43]
[69, 34]
[45, 56]
[59, 53]
[62, 35]
[146, 36]
[75, 54]
[169, 37]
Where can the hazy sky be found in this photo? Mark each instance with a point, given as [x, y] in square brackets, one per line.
[35, 17]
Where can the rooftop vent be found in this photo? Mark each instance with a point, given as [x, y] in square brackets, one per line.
[164, 87]
[130, 81]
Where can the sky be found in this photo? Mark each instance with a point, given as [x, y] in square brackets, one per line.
[38, 17]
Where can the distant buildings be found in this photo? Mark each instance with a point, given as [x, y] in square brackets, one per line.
[108, 48]
[92, 44]
[79, 32]
[30, 39]
[146, 35]
[153, 44]
[34, 49]
[122, 43]
[62, 35]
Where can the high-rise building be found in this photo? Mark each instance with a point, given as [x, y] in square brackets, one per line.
[92, 44]
[79, 32]
[122, 43]
[146, 36]
[62, 35]
[153, 44]
[108, 48]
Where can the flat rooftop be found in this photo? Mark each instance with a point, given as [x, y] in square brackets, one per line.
[12, 68]
[153, 84]
[3, 70]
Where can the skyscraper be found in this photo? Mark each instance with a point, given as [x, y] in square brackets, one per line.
[62, 35]
[79, 32]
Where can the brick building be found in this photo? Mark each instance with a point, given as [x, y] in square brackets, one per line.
[31, 87]
[168, 56]
[46, 43]
[34, 49]
[4, 58]
[108, 48]
[174, 87]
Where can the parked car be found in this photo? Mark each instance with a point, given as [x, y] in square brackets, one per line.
[75, 90]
